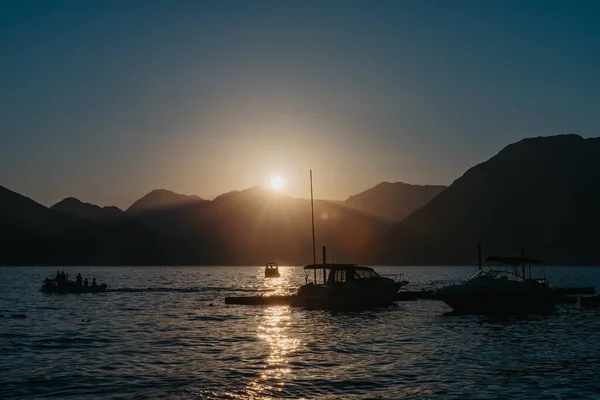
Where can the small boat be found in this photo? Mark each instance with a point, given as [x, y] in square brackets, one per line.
[272, 270]
[345, 286]
[53, 286]
[507, 288]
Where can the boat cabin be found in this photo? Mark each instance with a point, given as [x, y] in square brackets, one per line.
[511, 268]
[272, 270]
[320, 274]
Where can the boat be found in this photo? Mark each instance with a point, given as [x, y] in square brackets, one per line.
[345, 286]
[272, 270]
[54, 286]
[340, 286]
[507, 287]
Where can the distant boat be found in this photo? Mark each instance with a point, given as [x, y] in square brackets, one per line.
[272, 270]
[345, 286]
[507, 288]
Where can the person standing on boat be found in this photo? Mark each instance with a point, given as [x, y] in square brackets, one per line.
[85, 283]
[79, 279]
[57, 278]
[94, 284]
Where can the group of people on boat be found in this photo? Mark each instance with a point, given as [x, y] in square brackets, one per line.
[63, 279]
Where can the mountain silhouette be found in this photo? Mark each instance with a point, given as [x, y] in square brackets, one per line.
[32, 234]
[76, 207]
[393, 201]
[162, 198]
[252, 226]
[540, 193]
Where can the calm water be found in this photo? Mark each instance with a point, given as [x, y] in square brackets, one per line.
[166, 333]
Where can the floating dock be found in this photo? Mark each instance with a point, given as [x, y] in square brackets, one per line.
[293, 299]
[261, 300]
[565, 296]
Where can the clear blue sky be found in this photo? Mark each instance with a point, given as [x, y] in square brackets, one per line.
[107, 100]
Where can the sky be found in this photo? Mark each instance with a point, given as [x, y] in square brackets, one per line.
[108, 100]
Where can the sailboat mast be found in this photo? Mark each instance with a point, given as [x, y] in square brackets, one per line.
[312, 207]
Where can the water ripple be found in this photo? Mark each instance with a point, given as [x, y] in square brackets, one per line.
[166, 333]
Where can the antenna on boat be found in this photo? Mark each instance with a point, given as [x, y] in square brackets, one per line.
[312, 207]
[523, 264]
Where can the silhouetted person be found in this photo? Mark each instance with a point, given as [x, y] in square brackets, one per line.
[63, 276]
[85, 282]
[57, 276]
[94, 284]
[79, 279]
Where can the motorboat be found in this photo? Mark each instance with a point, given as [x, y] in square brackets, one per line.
[58, 286]
[506, 286]
[272, 270]
[341, 286]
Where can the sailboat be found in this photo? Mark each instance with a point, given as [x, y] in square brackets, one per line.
[342, 285]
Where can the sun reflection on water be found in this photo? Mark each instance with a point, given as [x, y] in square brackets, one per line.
[274, 330]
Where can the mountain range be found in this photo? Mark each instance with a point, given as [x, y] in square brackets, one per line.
[32, 234]
[541, 194]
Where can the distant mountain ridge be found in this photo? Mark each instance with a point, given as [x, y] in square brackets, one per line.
[162, 198]
[31, 234]
[539, 193]
[76, 207]
[542, 193]
[253, 225]
[394, 201]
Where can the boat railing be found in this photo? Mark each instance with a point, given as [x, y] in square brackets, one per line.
[398, 278]
[438, 284]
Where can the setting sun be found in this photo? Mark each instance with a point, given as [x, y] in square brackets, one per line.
[277, 183]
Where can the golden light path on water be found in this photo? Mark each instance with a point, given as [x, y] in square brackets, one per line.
[274, 330]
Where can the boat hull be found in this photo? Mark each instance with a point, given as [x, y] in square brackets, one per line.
[499, 304]
[516, 298]
[349, 295]
[592, 302]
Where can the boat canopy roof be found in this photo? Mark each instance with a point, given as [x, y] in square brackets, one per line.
[513, 260]
[338, 267]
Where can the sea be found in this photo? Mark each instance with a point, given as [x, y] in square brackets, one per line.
[166, 332]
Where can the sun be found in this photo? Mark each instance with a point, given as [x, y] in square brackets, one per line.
[277, 183]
